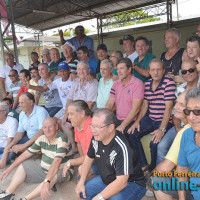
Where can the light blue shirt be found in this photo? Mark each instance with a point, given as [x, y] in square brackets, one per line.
[33, 123]
[103, 92]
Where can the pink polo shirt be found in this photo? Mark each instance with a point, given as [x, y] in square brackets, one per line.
[84, 135]
[124, 96]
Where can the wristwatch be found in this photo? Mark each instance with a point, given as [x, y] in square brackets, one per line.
[100, 196]
[68, 163]
[163, 130]
[46, 180]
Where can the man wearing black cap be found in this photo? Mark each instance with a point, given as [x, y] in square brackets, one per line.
[128, 45]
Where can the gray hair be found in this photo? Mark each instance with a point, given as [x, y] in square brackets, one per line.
[110, 117]
[45, 50]
[175, 31]
[5, 107]
[83, 63]
[156, 60]
[193, 93]
[43, 64]
[110, 63]
[81, 105]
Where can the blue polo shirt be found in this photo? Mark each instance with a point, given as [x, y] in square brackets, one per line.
[93, 66]
[33, 123]
[144, 63]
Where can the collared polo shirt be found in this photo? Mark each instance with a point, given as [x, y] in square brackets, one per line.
[33, 123]
[124, 96]
[104, 92]
[84, 135]
[4, 72]
[132, 57]
[14, 89]
[54, 66]
[144, 64]
[156, 99]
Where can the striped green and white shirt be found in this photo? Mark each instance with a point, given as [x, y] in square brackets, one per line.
[58, 148]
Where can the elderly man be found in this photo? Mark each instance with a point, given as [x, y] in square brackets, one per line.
[158, 102]
[105, 83]
[34, 58]
[83, 55]
[15, 85]
[30, 121]
[52, 99]
[80, 117]
[171, 159]
[55, 151]
[128, 45]
[46, 56]
[5, 81]
[8, 127]
[120, 176]
[126, 96]
[80, 40]
[82, 89]
[141, 63]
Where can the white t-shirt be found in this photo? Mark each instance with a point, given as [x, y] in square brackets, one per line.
[4, 72]
[132, 57]
[8, 130]
[63, 88]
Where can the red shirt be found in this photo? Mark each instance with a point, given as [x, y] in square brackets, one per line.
[21, 90]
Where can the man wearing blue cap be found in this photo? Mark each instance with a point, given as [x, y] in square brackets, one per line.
[63, 85]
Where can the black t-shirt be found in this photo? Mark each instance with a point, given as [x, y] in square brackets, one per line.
[115, 159]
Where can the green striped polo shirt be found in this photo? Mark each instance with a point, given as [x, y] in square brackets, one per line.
[58, 148]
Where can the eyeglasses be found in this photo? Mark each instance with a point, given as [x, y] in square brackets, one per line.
[12, 75]
[195, 112]
[98, 128]
[191, 70]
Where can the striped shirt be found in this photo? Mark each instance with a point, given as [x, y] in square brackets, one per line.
[14, 89]
[156, 99]
[58, 148]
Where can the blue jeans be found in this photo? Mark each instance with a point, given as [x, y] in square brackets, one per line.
[147, 125]
[165, 144]
[52, 110]
[95, 185]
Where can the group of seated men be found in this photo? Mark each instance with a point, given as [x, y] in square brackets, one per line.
[110, 105]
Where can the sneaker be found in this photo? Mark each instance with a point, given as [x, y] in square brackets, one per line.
[5, 196]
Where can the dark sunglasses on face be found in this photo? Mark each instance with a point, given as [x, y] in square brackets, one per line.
[195, 112]
[13, 75]
[191, 70]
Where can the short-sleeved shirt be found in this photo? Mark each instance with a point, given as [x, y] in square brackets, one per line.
[124, 96]
[58, 148]
[73, 65]
[84, 135]
[86, 93]
[132, 57]
[51, 97]
[63, 88]
[54, 66]
[8, 130]
[4, 72]
[144, 64]
[93, 66]
[172, 154]
[156, 99]
[116, 159]
[87, 41]
[189, 156]
[104, 92]
[14, 88]
[33, 123]
[21, 90]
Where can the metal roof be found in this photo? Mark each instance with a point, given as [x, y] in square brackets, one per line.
[46, 14]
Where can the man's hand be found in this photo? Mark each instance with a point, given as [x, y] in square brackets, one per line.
[157, 136]
[5, 173]
[26, 84]
[60, 32]
[89, 78]
[121, 128]
[2, 164]
[198, 65]
[136, 125]
[18, 148]
[65, 170]
[80, 188]
[45, 194]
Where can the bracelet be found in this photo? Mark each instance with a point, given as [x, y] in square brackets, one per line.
[100, 196]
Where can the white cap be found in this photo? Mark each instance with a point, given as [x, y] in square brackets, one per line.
[69, 44]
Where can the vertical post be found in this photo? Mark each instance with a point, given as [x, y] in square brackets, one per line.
[13, 31]
[169, 14]
[98, 35]
[101, 35]
[2, 46]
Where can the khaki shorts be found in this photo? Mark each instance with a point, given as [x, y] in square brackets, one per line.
[35, 174]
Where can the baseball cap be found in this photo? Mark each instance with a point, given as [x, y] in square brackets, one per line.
[102, 46]
[126, 37]
[63, 65]
[69, 44]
